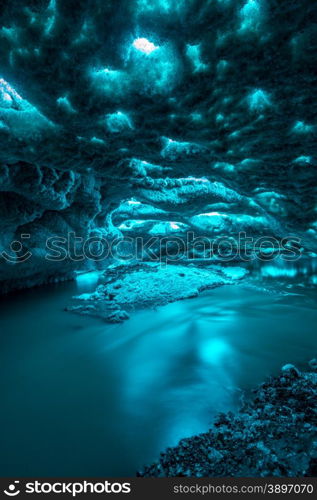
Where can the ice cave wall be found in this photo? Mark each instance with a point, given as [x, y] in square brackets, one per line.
[153, 117]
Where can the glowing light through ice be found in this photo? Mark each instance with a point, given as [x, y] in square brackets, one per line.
[144, 45]
[193, 52]
[6, 89]
[133, 202]
[212, 214]
[251, 14]
[87, 280]
[259, 100]
[118, 122]
[196, 179]
[153, 69]
[6, 97]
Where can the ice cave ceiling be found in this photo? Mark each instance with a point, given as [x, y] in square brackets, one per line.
[152, 117]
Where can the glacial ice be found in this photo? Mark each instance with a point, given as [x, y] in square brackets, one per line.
[157, 119]
[207, 117]
[118, 122]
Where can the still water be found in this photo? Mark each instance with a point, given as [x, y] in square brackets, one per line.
[83, 398]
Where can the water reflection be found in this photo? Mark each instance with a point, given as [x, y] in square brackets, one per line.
[214, 351]
[181, 361]
[86, 398]
[283, 268]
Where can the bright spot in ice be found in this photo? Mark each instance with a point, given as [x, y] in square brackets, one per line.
[7, 97]
[7, 89]
[86, 280]
[197, 179]
[214, 214]
[143, 45]
[174, 225]
[133, 202]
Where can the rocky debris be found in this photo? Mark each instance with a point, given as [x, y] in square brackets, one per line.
[141, 286]
[290, 370]
[313, 364]
[88, 310]
[274, 434]
[162, 285]
[111, 313]
[118, 316]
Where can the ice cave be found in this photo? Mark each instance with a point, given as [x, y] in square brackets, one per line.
[158, 246]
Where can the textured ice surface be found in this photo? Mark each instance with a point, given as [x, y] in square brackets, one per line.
[150, 286]
[180, 106]
[118, 122]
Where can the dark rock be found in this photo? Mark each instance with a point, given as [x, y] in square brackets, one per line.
[274, 434]
[118, 316]
[290, 370]
[313, 364]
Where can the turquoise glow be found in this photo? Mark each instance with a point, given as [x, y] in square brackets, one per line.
[65, 104]
[7, 92]
[275, 271]
[87, 280]
[304, 160]
[301, 127]
[110, 81]
[193, 52]
[214, 351]
[152, 68]
[251, 16]
[118, 122]
[259, 100]
[51, 13]
[144, 45]
[162, 6]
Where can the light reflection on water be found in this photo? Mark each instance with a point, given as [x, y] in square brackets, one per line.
[281, 268]
[85, 398]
